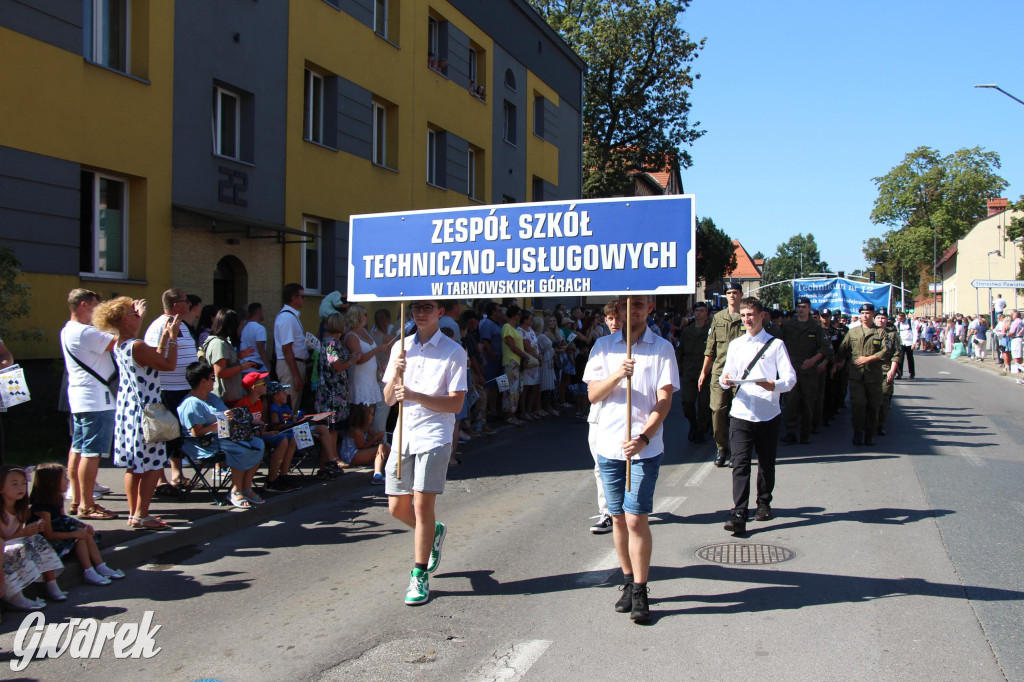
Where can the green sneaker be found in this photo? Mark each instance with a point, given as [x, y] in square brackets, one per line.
[419, 588]
[440, 530]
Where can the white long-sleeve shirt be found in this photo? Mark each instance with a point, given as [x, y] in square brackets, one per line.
[752, 403]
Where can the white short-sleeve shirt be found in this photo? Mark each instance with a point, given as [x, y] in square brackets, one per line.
[655, 368]
[175, 379]
[253, 333]
[288, 329]
[436, 368]
[89, 345]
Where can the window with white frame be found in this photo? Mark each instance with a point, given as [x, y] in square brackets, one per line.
[471, 173]
[103, 225]
[313, 107]
[380, 134]
[433, 39]
[311, 250]
[227, 123]
[380, 18]
[472, 65]
[432, 156]
[106, 28]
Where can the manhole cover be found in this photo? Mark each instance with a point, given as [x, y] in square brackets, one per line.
[744, 554]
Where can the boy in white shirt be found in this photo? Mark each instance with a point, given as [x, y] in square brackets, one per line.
[432, 368]
[655, 376]
[754, 417]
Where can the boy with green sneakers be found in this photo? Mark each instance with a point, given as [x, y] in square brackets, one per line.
[429, 376]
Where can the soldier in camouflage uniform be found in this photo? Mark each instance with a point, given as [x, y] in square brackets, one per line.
[824, 408]
[865, 349]
[726, 325]
[693, 340]
[806, 346]
[890, 368]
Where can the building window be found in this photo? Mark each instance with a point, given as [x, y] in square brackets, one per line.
[106, 28]
[510, 80]
[538, 116]
[103, 225]
[471, 173]
[432, 157]
[538, 189]
[311, 250]
[437, 45]
[380, 134]
[510, 123]
[472, 67]
[380, 18]
[227, 123]
[313, 108]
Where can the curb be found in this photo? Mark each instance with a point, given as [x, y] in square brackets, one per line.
[136, 552]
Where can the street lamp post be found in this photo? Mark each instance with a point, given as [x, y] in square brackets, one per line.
[993, 86]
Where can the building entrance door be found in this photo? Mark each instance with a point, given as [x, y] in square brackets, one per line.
[230, 284]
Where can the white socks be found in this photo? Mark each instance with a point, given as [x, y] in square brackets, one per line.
[54, 592]
[108, 572]
[90, 576]
[20, 601]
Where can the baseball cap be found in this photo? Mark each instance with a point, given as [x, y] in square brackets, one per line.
[276, 387]
[252, 378]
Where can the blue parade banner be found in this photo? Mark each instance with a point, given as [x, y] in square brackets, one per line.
[846, 295]
[593, 247]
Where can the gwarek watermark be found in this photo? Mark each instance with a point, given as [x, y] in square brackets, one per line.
[82, 638]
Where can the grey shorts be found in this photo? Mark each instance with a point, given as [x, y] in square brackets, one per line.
[424, 472]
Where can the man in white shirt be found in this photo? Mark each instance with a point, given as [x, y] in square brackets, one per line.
[999, 304]
[254, 335]
[90, 365]
[908, 338]
[655, 376]
[754, 417]
[290, 344]
[174, 387]
[429, 377]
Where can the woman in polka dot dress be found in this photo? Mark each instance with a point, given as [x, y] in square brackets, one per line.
[140, 366]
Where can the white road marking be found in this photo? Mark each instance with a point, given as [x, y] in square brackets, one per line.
[943, 372]
[971, 457]
[513, 664]
[600, 570]
[701, 474]
[667, 505]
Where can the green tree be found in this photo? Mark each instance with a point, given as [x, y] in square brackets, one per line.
[715, 253]
[1015, 231]
[929, 201]
[636, 90]
[14, 299]
[797, 257]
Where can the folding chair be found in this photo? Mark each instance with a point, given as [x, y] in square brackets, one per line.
[203, 467]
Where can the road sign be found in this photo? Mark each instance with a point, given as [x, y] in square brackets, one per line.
[998, 284]
[935, 288]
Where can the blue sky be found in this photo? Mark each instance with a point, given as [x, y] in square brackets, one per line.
[805, 102]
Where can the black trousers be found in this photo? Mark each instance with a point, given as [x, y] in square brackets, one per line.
[908, 353]
[746, 438]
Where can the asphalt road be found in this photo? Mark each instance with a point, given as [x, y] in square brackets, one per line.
[907, 565]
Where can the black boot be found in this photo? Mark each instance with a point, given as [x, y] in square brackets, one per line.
[641, 612]
[737, 523]
[722, 459]
[625, 602]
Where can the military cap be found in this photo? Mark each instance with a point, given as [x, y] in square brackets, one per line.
[867, 308]
[803, 300]
[734, 285]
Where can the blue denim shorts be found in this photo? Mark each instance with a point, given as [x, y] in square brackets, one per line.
[643, 477]
[272, 439]
[92, 433]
